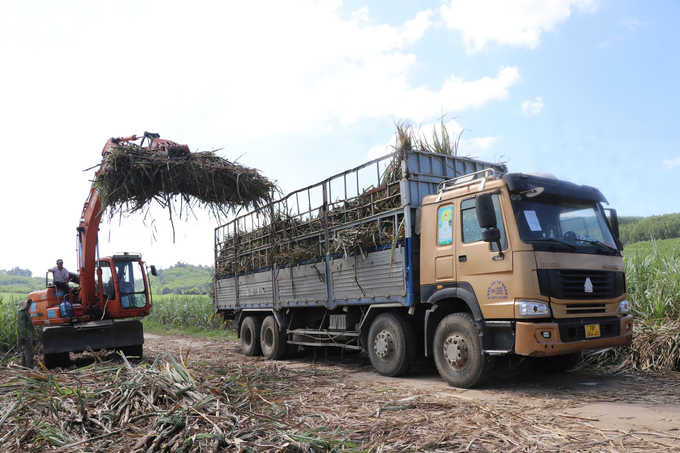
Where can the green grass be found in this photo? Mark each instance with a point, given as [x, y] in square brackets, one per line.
[665, 247]
[187, 314]
[8, 320]
[653, 278]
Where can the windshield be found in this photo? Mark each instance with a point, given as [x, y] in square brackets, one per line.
[131, 284]
[574, 225]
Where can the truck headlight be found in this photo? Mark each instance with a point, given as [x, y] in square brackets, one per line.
[624, 306]
[529, 308]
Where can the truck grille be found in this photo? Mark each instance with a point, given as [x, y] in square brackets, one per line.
[581, 284]
[585, 309]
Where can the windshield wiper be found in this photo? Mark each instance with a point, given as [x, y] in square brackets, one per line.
[551, 240]
[601, 244]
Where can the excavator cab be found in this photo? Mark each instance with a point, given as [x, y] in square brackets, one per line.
[125, 286]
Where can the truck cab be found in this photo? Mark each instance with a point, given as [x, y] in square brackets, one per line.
[535, 262]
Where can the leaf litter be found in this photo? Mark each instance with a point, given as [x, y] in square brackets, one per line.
[227, 402]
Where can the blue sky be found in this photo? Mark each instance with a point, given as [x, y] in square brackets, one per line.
[585, 89]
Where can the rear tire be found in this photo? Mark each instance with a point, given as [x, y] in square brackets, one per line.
[457, 352]
[58, 359]
[250, 336]
[273, 340]
[391, 344]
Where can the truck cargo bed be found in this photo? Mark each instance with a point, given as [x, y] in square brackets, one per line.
[349, 239]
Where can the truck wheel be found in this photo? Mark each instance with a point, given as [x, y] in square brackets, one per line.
[57, 359]
[273, 340]
[250, 336]
[391, 344]
[555, 364]
[457, 352]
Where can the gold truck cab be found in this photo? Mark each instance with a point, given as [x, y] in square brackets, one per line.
[532, 261]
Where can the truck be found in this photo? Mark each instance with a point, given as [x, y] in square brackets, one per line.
[419, 256]
[109, 295]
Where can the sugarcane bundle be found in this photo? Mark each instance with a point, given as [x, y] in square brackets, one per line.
[132, 176]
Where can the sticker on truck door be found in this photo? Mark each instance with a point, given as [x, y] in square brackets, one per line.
[445, 236]
[497, 291]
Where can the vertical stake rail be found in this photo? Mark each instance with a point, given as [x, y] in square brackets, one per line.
[236, 263]
[329, 284]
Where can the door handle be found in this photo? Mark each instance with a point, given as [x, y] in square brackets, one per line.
[462, 258]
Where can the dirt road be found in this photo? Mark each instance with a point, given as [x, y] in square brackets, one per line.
[517, 410]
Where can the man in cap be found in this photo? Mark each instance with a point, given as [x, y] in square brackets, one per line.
[61, 277]
[25, 333]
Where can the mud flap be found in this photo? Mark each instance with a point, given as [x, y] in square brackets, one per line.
[93, 335]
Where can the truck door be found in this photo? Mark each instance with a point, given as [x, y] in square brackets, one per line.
[444, 269]
[479, 263]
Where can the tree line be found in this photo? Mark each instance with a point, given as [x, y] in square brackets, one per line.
[17, 272]
[181, 278]
[637, 229]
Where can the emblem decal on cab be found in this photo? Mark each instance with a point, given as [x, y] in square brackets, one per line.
[588, 287]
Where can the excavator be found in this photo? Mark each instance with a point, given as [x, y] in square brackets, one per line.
[112, 293]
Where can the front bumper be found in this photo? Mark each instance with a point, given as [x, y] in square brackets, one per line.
[529, 340]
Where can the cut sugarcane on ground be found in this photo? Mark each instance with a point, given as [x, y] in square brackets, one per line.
[196, 395]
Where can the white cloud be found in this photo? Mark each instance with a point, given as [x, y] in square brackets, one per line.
[478, 146]
[632, 23]
[610, 42]
[533, 107]
[671, 163]
[518, 23]
[206, 74]
[361, 14]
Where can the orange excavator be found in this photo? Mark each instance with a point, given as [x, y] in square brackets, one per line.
[103, 311]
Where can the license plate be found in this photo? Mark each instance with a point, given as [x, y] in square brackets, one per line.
[593, 331]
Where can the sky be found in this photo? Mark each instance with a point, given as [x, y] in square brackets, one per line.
[301, 90]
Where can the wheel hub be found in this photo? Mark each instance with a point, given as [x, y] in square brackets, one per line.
[456, 351]
[383, 345]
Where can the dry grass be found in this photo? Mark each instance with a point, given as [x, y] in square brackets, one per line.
[235, 403]
[656, 347]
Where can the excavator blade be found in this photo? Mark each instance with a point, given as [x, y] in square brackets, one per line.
[95, 335]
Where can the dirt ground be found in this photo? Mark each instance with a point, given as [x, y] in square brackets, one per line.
[516, 410]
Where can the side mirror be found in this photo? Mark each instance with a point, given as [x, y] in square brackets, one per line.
[486, 215]
[614, 223]
[491, 235]
[153, 271]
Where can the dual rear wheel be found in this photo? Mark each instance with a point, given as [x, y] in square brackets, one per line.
[391, 344]
[263, 338]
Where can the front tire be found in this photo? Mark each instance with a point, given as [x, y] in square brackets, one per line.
[391, 344]
[250, 336]
[273, 340]
[457, 352]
